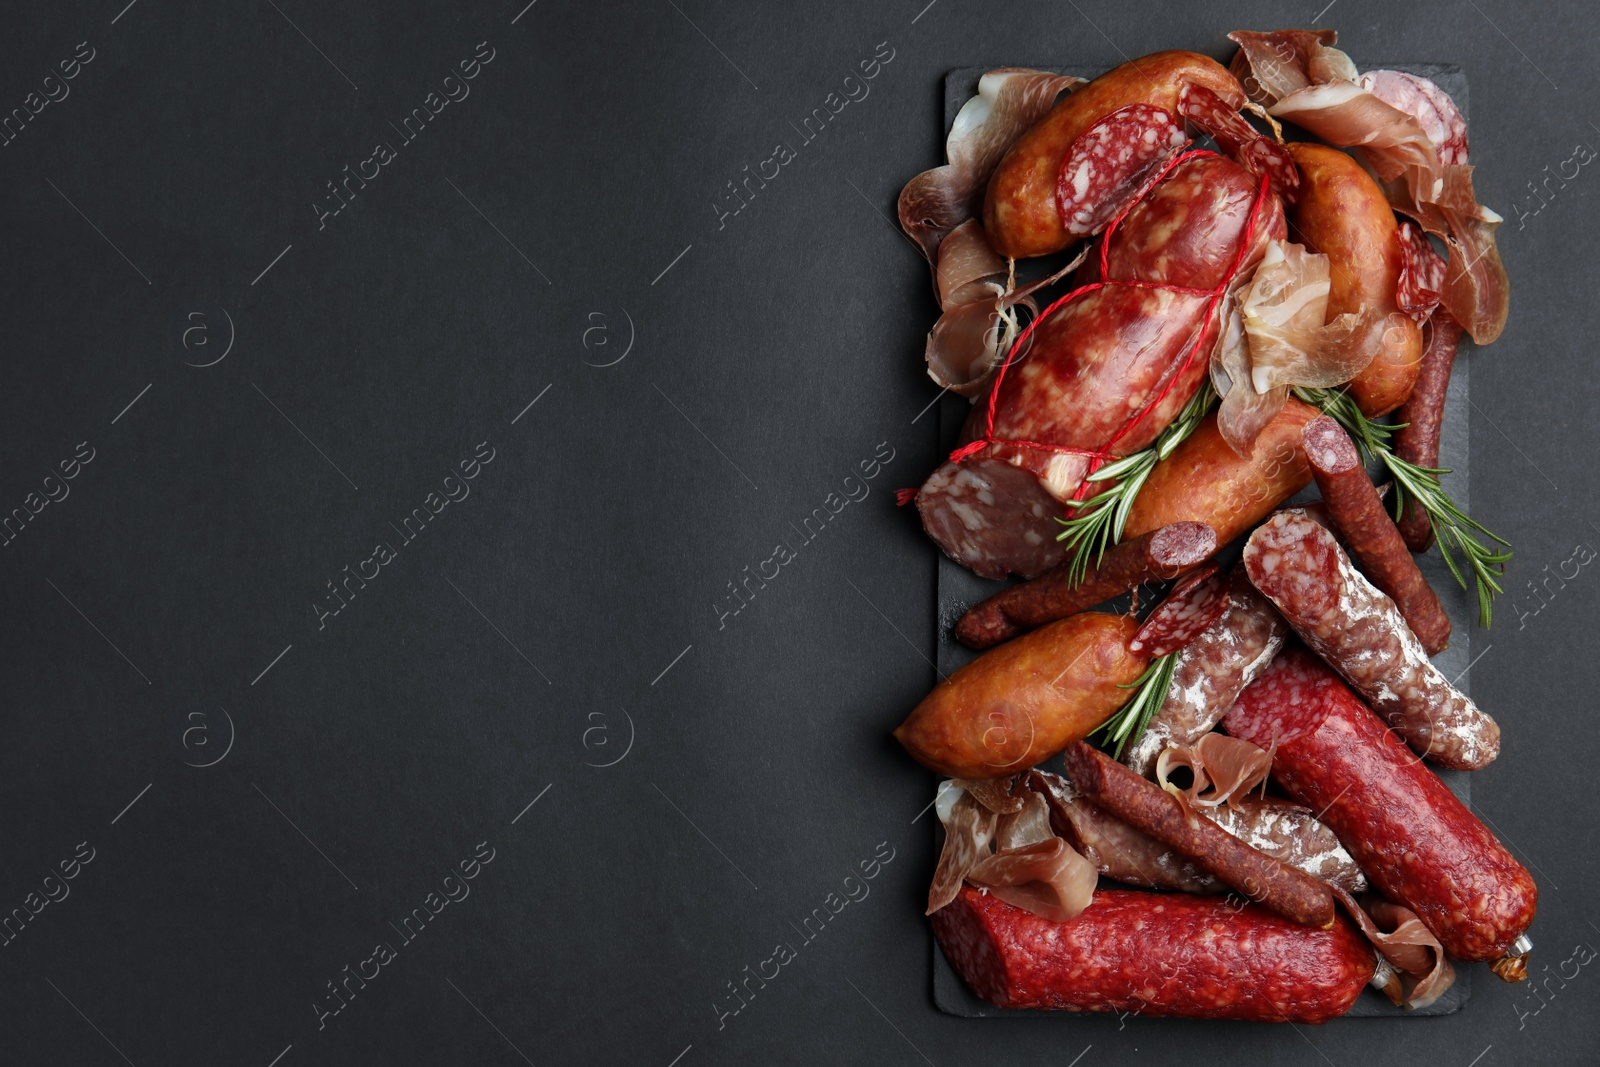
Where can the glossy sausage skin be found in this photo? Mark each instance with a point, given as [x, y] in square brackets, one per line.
[1020, 214]
[1157, 954]
[1205, 480]
[1017, 705]
[1417, 843]
[1343, 214]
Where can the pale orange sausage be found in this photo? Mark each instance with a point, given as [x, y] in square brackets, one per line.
[1343, 214]
[1205, 480]
[1019, 704]
[1020, 215]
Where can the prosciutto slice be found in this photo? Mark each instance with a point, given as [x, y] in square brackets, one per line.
[1272, 65]
[982, 315]
[1004, 843]
[1009, 101]
[1414, 141]
[1423, 974]
[1225, 770]
[1276, 338]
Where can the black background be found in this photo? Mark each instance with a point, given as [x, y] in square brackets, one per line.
[570, 602]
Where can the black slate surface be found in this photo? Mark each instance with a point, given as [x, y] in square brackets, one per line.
[701, 781]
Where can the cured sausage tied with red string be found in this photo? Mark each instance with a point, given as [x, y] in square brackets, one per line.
[1103, 370]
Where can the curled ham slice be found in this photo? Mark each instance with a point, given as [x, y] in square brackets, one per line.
[1272, 65]
[968, 830]
[1243, 413]
[1225, 769]
[1028, 865]
[1047, 878]
[1423, 973]
[1009, 101]
[1284, 309]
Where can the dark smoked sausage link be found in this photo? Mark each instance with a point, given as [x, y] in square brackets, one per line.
[1157, 556]
[1157, 954]
[1372, 537]
[1417, 843]
[1291, 893]
[1418, 440]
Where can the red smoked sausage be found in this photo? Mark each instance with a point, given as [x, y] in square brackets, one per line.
[1104, 371]
[1416, 841]
[1159, 954]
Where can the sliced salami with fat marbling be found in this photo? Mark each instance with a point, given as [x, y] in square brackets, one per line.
[1188, 611]
[1110, 162]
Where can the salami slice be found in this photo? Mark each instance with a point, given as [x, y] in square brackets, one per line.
[1110, 162]
[1299, 565]
[1432, 107]
[1240, 141]
[993, 517]
[1421, 273]
[1157, 954]
[1212, 671]
[1188, 611]
[1417, 843]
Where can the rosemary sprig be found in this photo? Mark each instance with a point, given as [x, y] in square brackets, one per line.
[1452, 527]
[1098, 522]
[1150, 691]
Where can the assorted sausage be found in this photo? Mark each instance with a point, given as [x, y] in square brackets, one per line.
[1090, 466]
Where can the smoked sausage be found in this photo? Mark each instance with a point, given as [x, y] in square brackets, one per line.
[1205, 480]
[1020, 213]
[1371, 536]
[1153, 557]
[1017, 705]
[1343, 215]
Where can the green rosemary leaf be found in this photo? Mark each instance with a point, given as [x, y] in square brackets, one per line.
[1149, 693]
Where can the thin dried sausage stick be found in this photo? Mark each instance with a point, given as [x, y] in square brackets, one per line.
[1418, 440]
[1359, 632]
[1146, 806]
[1155, 557]
[1372, 537]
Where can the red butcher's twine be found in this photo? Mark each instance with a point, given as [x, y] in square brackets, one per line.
[1098, 457]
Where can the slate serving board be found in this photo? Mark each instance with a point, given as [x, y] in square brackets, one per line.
[959, 588]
